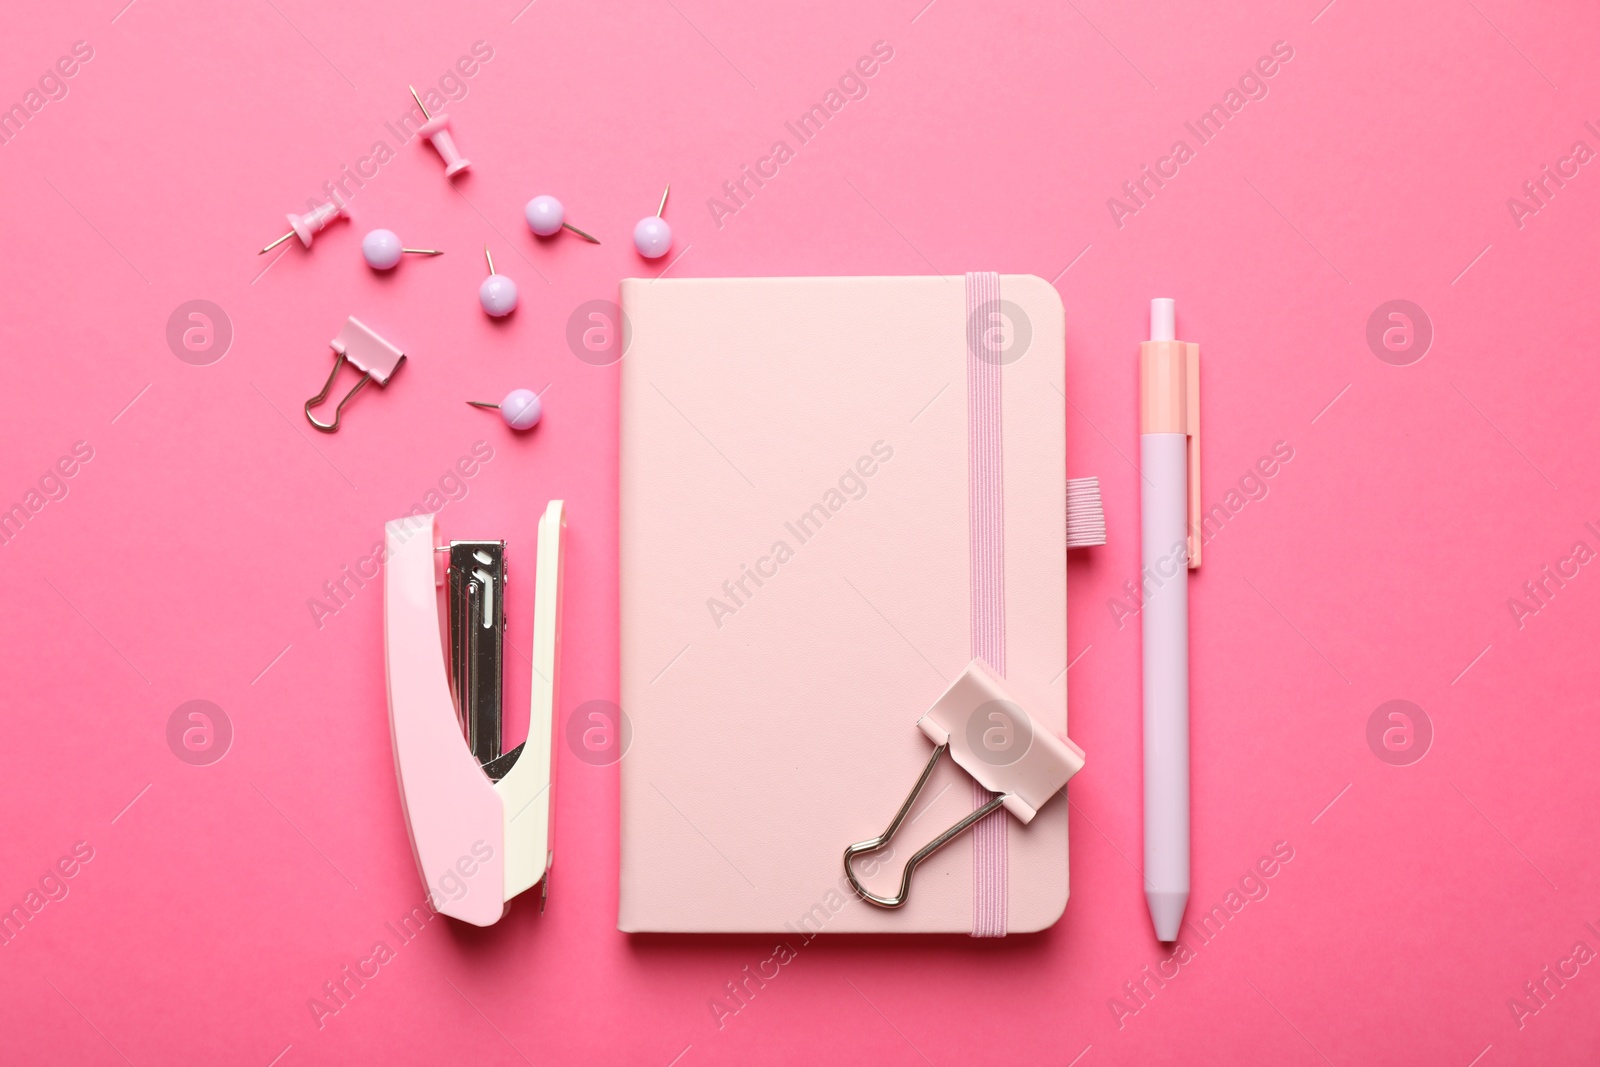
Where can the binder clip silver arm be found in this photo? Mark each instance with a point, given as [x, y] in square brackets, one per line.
[922, 853]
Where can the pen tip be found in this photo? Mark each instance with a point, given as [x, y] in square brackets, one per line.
[1166, 912]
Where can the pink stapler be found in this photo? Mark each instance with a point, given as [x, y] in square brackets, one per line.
[480, 819]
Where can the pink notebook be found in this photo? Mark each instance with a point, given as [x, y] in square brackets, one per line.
[835, 493]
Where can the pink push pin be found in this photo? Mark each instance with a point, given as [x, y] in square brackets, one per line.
[520, 408]
[312, 222]
[498, 293]
[382, 249]
[437, 131]
[546, 217]
[652, 236]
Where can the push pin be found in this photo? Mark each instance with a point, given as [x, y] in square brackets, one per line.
[312, 222]
[497, 294]
[382, 249]
[375, 358]
[652, 236]
[546, 216]
[520, 408]
[437, 130]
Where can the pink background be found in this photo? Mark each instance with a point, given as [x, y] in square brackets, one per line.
[1379, 565]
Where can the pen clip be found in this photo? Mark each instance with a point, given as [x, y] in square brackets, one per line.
[1191, 378]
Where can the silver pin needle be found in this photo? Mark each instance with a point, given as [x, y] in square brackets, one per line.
[663, 206]
[420, 104]
[580, 233]
[276, 243]
[488, 257]
[423, 251]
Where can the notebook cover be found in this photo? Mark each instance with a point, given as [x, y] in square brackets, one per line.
[772, 670]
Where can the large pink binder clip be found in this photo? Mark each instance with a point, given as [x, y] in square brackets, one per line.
[480, 818]
[993, 739]
[375, 358]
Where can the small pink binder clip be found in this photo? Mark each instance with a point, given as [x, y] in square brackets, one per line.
[437, 130]
[311, 223]
[375, 358]
[480, 819]
[993, 739]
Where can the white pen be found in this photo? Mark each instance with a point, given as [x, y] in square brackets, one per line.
[1169, 467]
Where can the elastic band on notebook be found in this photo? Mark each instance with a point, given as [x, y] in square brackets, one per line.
[986, 588]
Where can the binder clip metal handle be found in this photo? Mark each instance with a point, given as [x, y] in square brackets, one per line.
[375, 358]
[993, 739]
[922, 853]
